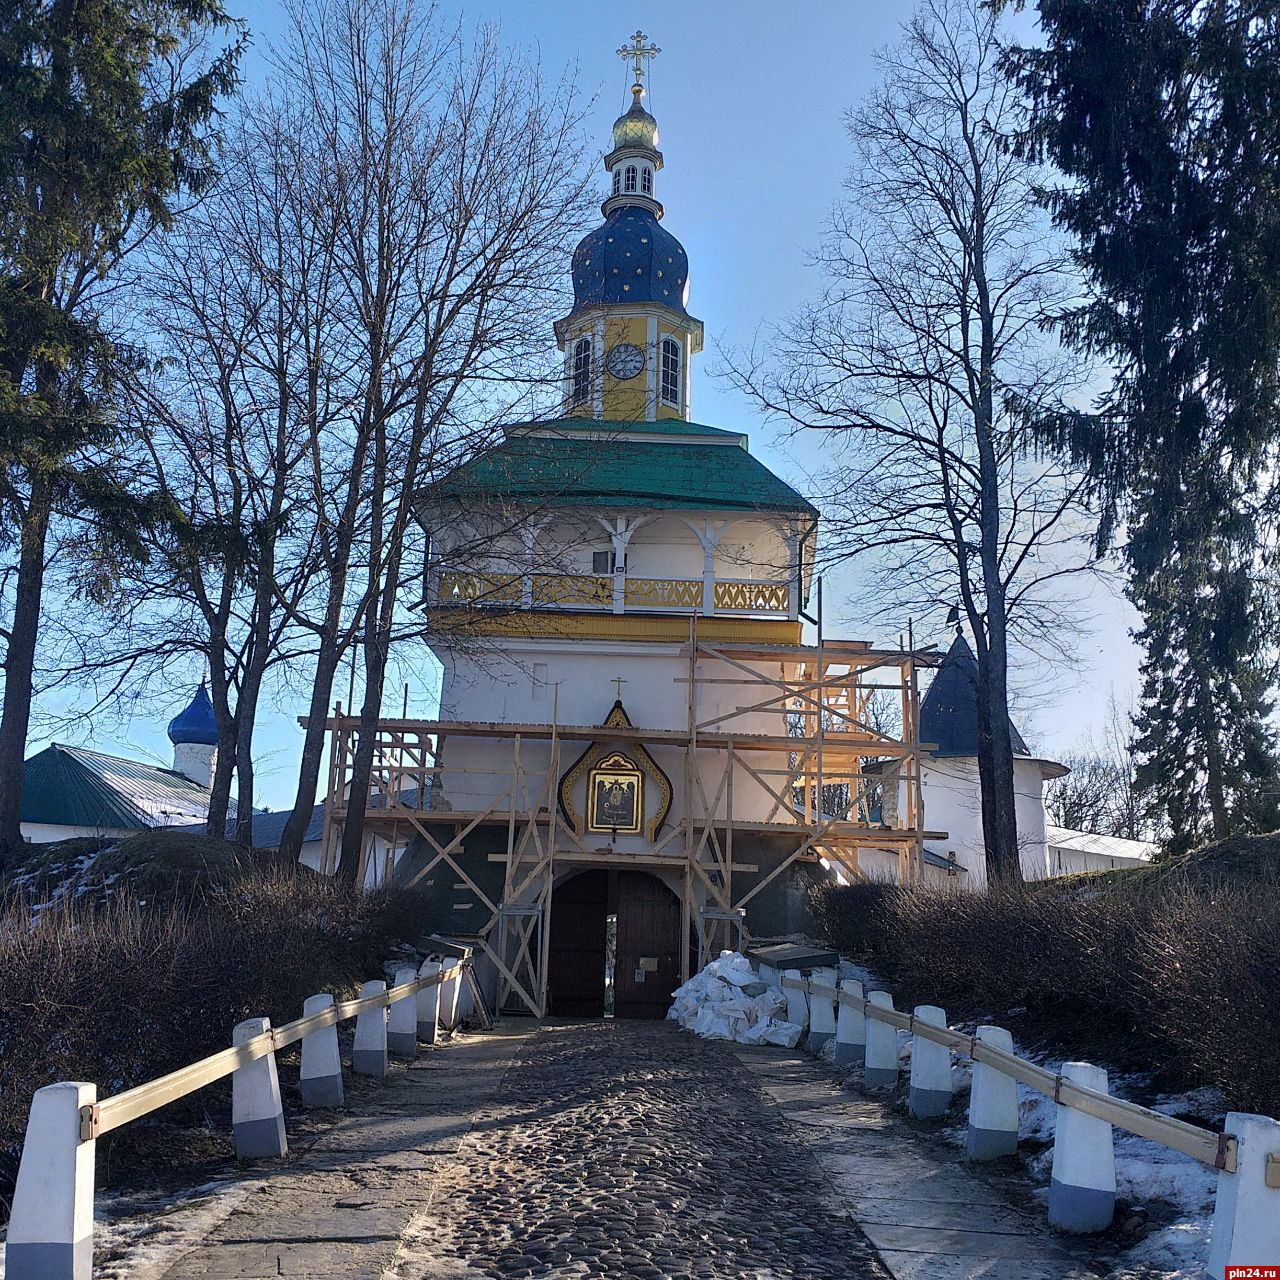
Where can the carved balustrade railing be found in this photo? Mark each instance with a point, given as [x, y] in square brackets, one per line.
[664, 593]
[733, 596]
[597, 592]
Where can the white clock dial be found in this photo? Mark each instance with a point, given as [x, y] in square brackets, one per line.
[624, 360]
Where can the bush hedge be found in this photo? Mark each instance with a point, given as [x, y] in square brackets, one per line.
[1177, 974]
[118, 992]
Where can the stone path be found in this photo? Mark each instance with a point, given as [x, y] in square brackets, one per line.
[619, 1149]
[634, 1149]
[928, 1214]
[342, 1208]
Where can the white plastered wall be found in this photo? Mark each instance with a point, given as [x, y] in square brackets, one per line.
[953, 803]
[517, 684]
[952, 800]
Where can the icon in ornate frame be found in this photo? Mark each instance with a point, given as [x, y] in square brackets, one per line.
[615, 796]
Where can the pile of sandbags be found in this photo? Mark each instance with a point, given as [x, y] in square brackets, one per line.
[728, 1001]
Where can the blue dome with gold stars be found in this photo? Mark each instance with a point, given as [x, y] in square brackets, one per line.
[630, 259]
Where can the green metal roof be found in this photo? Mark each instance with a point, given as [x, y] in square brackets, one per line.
[69, 786]
[570, 471]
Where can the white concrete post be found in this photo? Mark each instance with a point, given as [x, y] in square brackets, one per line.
[402, 1018]
[1246, 1214]
[369, 1049]
[1082, 1189]
[429, 1003]
[320, 1079]
[257, 1115]
[993, 1104]
[822, 1011]
[851, 1028]
[930, 1094]
[797, 1006]
[769, 975]
[450, 993]
[882, 1047]
[51, 1221]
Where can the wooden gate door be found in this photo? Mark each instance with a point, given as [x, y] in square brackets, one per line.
[648, 968]
[575, 965]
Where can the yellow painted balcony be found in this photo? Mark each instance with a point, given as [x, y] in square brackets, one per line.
[572, 590]
[611, 593]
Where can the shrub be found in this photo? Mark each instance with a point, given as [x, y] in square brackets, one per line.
[118, 993]
[1177, 973]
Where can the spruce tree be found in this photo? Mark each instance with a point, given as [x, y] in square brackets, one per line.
[1162, 115]
[107, 110]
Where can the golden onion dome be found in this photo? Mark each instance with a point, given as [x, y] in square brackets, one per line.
[637, 128]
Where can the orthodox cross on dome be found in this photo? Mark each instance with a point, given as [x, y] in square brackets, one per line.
[618, 682]
[638, 52]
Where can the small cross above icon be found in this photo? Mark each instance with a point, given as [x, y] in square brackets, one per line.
[618, 682]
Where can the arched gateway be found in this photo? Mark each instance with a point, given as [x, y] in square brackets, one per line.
[618, 930]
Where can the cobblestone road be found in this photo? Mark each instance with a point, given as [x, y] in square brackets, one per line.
[631, 1149]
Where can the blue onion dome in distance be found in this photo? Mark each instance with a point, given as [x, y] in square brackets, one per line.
[630, 259]
[195, 724]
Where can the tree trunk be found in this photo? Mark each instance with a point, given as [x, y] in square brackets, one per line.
[375, 675]
[225, 719]
[295, 828]
[220, 792]
[19, 666]
[1000, 828]
[1214, 768]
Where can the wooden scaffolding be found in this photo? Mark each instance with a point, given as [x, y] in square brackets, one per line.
[847, 718]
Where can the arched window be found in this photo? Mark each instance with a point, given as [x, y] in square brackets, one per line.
[617, 181]
[670, 372]
[630, 184]
[581, 371]
[646, 180]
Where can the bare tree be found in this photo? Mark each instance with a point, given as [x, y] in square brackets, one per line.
[224, 304]
[453, 182]
[923, 360]
[1100, 794]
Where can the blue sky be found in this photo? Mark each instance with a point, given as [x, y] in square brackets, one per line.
[750, 100]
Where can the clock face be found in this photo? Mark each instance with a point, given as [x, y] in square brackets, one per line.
[624, 360]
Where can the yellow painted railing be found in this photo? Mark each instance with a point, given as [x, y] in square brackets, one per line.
[751, 597]
[572, 589]
[664, 593]
[595, 591]
[479, 588]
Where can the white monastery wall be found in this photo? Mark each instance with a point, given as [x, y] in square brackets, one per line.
[48, 832]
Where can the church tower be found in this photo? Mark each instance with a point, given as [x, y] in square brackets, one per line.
[632, 733]
[628, 341]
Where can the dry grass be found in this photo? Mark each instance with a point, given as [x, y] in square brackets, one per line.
[1177, 973]
[117, 993]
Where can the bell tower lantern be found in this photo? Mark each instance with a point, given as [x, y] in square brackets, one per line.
[628, 341]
